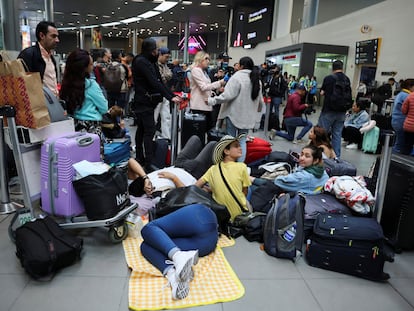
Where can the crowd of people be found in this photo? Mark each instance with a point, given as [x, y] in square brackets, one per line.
[233, 95]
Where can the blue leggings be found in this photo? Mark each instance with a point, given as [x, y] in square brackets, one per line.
[189, 228]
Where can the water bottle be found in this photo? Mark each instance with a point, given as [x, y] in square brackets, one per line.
[289, 234]
[135, 225]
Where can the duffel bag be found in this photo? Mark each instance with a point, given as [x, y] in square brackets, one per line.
[103, 195]
[43, 247]
[339, 167]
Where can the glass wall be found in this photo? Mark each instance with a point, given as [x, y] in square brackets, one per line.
[323, 65]
[288, 62]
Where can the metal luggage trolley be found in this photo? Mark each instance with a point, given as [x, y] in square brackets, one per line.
[118, 229]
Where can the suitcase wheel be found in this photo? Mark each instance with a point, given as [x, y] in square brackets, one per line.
[118, 233]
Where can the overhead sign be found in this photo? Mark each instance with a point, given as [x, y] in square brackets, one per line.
[366, 52]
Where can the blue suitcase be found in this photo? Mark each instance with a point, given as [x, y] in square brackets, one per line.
[370, 140]
[117, 151]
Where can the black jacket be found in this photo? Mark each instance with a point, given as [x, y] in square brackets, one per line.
[34, 60]
[147, 80]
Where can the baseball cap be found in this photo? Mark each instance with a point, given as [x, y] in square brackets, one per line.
[164, 50]
[223, 55]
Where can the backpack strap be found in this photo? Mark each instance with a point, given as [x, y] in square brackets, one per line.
[231, 191]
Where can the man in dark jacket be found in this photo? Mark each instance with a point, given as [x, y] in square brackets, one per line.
[149, 91]
[39, 58]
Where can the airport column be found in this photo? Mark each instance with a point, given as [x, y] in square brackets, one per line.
[49, 10]
[10, 23]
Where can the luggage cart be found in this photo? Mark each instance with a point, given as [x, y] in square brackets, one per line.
[118, 229]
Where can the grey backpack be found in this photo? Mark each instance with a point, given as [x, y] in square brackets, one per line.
[283, 229]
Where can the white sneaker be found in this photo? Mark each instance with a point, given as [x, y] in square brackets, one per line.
[352, 146]
[183, 262]
[179, 289]
[344, 143]
[298, 141]
[272, 134]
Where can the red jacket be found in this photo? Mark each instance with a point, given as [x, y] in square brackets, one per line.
[294, 106]
[408, 109]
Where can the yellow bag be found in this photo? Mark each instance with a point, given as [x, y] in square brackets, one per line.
[24, 91]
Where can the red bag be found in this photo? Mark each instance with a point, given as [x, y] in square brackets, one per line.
[257, 149]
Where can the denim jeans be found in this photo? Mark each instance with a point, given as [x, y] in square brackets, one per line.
[399, 136]
[189, 228]
[234, 131]
[333, 123]
[275, 102]
[291, 125]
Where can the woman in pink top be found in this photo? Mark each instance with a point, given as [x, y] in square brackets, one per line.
[201, 86]
[408, 109]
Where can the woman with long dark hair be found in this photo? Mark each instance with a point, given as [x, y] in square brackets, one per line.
[83, 96]
[242, 101]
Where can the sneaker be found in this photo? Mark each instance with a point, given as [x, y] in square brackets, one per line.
[183, 262]
[272, 134]
[179, 289]
[352, 146]
[344, 143]
[298, 141]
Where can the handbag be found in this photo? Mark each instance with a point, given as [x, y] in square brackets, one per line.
[103, 195]
[183, 196]
[250, 225]
[155, 98]
[23, 91]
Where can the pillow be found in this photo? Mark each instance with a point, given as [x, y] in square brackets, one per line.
[162, 184]
[368, 126]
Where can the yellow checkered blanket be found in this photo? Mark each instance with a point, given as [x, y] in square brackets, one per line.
[214, 281]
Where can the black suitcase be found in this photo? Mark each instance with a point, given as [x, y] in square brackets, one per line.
[398, 209]
[348, 244]
[193, 124]
[321, 203]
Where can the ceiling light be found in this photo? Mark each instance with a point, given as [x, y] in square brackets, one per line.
[205, 3]
[75, 13]
[221, 5]
[91, 15]
[165, 6]
[110, 24]
[149, 14]
[130, 20]
[187, 2]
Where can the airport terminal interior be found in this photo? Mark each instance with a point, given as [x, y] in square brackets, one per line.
[301, 36]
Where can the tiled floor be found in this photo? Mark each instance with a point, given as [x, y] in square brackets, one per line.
[100, 280]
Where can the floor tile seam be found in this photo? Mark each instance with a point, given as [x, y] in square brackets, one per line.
[28, 281]
[313, 294]
[399, 294]
[270, 279]
[124, 288]
[89, 276]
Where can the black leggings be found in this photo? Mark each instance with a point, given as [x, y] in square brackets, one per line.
[352, 135]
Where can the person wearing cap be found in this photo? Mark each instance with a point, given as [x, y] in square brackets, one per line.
[241, 102]
[163, 108]
[293, 117]
[202, 87]
[228, 173]
[148, 89]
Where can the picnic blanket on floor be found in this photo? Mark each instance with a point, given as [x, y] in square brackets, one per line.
[214, 281]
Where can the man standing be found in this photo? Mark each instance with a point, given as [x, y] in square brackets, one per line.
[39, 58]
[163, 108]
[149, 91]
[338, 99]
[277, 89]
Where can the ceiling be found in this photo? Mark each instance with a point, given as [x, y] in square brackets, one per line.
[203, 16]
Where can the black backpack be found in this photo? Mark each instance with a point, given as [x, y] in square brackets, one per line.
[341, 98]
[43, 247]
[262, 197]
[283, 228]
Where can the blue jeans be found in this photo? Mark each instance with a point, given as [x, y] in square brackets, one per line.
[189, 228]
[333, 123]
[399, 136]
[291, 125]
[234, 131]
[275, 102]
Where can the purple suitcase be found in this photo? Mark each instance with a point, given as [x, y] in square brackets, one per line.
[58, 154]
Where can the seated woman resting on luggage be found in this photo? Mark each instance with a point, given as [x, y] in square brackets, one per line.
[319, 138]
[352, 125]
[174, 242]
[309, 178]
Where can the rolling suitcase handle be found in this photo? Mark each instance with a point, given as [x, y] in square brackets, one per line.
[382, 176]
